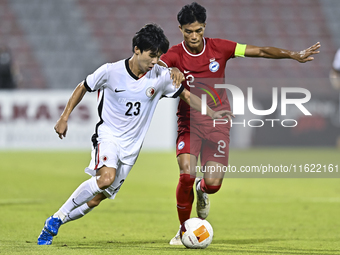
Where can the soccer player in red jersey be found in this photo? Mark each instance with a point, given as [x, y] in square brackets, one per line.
[203, 61]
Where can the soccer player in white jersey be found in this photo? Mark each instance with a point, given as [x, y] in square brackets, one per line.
[128, 92]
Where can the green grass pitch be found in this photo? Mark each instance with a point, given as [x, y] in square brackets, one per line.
[249, 215]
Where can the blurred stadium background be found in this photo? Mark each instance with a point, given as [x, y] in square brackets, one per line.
[55, 44]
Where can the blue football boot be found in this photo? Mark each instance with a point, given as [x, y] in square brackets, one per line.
[45, 238]
[51, 227]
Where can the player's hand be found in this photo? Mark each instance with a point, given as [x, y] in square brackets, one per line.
[61, 128]
[177, 77]
[223, 115]
[306, 55]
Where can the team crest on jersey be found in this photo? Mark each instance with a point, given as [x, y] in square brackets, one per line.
[105, 158]
[214, 66]
[150, 91]
[181, 145]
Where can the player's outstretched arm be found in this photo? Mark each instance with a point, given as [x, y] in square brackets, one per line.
[277, 53]
[195, 102]
[77, 95]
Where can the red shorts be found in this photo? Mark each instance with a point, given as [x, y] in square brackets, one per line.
[212, 144]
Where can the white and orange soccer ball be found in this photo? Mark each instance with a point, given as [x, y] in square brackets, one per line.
[196, 233]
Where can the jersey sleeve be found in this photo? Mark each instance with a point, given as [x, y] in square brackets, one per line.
[97, 79]
[169, 90]
[227, 48]
[170, 58]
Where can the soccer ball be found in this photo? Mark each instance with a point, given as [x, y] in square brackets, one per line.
[196, 233]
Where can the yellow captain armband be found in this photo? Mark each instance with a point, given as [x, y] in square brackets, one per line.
[240, 50]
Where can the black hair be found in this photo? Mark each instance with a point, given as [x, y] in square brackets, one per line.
[150, 37]
[191, 13]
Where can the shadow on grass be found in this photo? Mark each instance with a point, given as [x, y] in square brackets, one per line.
[6, 202]
[218, 246]
[242, 246]
[246, 241]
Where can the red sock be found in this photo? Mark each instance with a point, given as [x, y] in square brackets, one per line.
[209, 189]
[184, 196]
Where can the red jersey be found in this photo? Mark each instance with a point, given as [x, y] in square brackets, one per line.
[202, 71]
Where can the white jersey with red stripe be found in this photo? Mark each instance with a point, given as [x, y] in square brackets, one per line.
[126, 104]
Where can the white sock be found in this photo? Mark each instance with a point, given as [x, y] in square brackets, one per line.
[84, 193]
[59, 214]
[77, 213]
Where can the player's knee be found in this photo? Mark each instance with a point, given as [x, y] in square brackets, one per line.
[184, 166]
[211, 186]
[213, 181]
[187, 164]
[106, 179]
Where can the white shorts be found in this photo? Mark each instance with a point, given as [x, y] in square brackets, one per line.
[106, 153]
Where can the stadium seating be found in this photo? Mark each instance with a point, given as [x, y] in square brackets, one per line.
[56, 43]
[12, 35]
[59, 40]
[286, 24]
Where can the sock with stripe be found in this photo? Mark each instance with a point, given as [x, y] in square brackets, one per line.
[77, 213]
[84, 193]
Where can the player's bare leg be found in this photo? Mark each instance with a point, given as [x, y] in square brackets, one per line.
[210, 184]
[184, 191]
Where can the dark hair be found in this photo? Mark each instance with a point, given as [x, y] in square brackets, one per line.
[191, 13]
[151, 37]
